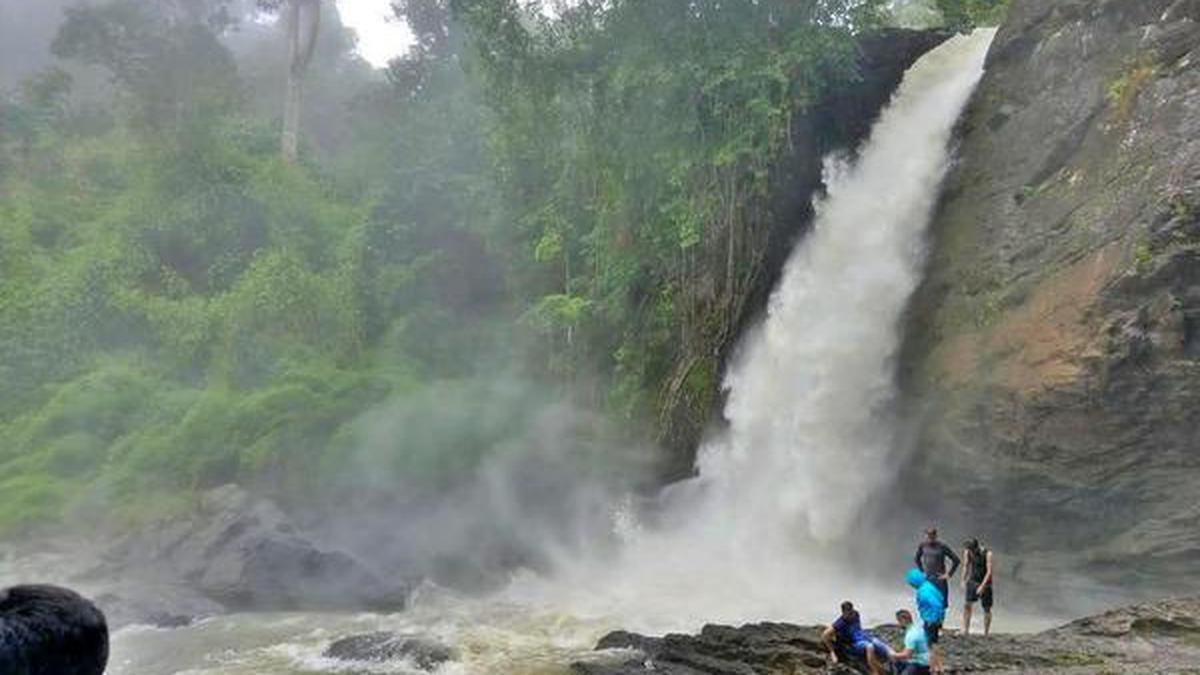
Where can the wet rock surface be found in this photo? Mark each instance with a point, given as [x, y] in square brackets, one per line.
[1161, 637]
[1052, 362]
[383, 647]
[235, 552]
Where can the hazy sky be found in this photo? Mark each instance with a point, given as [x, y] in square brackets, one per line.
[380, 36]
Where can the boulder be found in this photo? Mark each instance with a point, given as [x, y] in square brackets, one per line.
[382, 647]
[245, 554]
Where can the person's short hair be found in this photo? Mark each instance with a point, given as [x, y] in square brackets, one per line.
[971, 544]
[931, 530]
[904, 615]
[847, 606]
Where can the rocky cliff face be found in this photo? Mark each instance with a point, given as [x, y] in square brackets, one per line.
[1053, 358]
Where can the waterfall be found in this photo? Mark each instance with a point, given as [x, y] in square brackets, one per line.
[760, 533]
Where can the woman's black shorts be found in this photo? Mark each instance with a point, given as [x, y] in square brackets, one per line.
[983, 597]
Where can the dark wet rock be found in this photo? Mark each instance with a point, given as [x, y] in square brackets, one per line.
[382, 647]
[716, 650]
[244, 553]
[1152, 638]
[1052, 361]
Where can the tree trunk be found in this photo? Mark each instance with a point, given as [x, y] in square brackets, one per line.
[302, 21]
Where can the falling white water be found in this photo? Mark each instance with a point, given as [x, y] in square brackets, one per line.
[760, 533]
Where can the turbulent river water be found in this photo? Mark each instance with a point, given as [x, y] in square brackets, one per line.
[760, 533]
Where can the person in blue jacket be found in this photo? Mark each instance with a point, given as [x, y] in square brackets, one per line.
[931, 606]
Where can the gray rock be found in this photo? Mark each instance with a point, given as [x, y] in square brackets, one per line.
[244, 553]
[382, 647]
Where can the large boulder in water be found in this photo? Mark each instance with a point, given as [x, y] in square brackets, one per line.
[47, 630]
[244, 553]
[382, 647]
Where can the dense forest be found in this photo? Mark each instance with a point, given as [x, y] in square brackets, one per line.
[530, 206]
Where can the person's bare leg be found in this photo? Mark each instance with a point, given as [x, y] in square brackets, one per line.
[967, 618]
[935, 659]
[987, 622]
[873, 662]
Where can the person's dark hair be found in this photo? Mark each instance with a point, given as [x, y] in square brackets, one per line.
[847, 606]
[904, 615]
[48, 629]
[931, 531]
[972, 544]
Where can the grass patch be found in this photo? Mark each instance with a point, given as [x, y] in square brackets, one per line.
[1124, 92]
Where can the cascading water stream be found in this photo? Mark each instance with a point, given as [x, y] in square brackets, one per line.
[760, 533]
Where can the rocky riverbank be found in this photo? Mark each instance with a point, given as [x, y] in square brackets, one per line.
[1161, 637]
[232, 552]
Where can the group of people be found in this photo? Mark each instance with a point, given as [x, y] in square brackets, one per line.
[930, 579]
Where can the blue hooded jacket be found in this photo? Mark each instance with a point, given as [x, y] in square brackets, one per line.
[930, 603]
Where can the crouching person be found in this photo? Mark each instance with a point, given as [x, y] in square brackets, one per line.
[847, 635]
[914, 658]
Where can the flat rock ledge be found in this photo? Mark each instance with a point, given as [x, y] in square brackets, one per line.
[1161, 637]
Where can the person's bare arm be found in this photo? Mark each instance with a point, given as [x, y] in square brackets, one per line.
[954, 561]
[987, 578]
[966, 566]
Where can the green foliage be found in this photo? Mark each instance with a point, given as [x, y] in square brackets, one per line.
[1124, 91]
[633, 163]
[964, 15]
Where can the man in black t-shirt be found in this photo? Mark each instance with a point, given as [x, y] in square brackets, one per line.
[931, 560]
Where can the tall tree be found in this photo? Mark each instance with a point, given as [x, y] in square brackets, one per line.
[302, 21]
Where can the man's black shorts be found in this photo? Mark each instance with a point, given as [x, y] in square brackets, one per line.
[933, 632]
[984, 597]
[944, 587]
[913, 669]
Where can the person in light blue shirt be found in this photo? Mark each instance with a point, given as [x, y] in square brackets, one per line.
[914, 658]
[931, 605]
